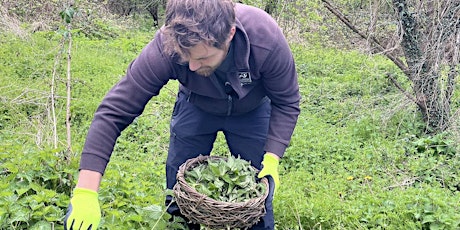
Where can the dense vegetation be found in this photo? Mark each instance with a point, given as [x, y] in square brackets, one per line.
[358, 158]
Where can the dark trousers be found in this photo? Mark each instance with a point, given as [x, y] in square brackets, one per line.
[194, 131]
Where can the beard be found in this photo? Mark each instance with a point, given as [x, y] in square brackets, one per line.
[205, 71]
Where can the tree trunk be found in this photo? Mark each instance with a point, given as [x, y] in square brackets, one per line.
[423, 50]
[430, 42]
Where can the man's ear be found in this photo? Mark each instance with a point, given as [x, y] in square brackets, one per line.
[232, 33]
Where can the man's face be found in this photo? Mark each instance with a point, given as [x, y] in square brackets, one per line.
[205, 59]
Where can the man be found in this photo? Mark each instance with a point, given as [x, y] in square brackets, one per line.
[237, 76]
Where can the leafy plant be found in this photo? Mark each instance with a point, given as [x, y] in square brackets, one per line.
[229, 180]
[434, 145]
[35, 189]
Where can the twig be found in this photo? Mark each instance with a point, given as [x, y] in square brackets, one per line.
[296, 213]
[405, 182]
[53, 93]
[372, 39]
[401, 88]
[68, 114]
[162, 214]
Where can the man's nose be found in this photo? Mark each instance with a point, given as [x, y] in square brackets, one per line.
[194, 65]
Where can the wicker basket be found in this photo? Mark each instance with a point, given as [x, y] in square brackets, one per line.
[211, 213]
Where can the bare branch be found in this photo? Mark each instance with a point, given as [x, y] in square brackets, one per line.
[405, 183]
[69, 82]
[408, 95]
[398, 62]
[53, 92]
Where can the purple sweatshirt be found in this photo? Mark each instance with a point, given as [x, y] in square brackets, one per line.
[263, 66]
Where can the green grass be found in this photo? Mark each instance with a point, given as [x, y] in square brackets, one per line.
[357, 159]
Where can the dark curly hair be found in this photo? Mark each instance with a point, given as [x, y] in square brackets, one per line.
[190, 22]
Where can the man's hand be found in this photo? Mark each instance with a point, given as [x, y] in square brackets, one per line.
[84, 212]
[270, 168]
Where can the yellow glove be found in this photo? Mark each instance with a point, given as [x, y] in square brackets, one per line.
[84, 212]
[270, 167]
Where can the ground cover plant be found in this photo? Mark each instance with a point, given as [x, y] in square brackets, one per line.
[358, 158]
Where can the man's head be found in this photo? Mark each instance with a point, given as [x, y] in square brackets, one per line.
[199, 31]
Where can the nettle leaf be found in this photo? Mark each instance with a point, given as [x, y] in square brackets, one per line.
[231, 163]
[169, 192]
[204, 190]
[36, 187]
[11, 199]
[39, 197]
[35, 205]
[67, 14]
[244, 182]
[232, 198]
[215, 168]
[113, 214]
[11, 167]
[134, 217]
[120, 203]
[230, 188]
[3, 214]
[153, 211]
[25, 176]
[19, 213]
[208, 176]
[53, 213]
[219, 183]
[41, 225]
[227, 178]
[62, 200]
[193, 174]
[49, 193]
[223, 168]
[21, 191]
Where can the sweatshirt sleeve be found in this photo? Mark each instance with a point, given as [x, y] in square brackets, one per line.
[144, 78]
[281, 84]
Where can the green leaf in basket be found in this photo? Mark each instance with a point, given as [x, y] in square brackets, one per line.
[225, 179]
[213, 167]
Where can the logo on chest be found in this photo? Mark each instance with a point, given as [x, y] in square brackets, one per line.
[244, 78]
